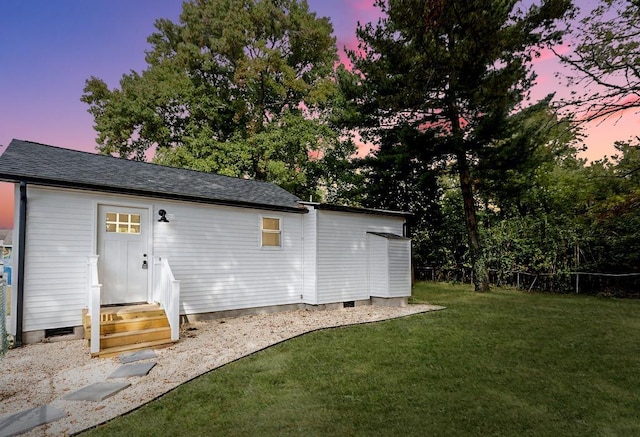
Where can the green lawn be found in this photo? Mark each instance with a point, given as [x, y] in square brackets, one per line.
[505, 363]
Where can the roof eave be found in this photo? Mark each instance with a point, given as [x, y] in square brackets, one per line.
[357, 210]
[133, 192]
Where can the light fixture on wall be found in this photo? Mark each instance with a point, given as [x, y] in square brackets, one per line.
[163, 217]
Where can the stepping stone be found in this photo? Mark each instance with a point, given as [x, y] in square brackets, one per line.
[97, 392]
[27, 420]
[127, 370]
[144, 354]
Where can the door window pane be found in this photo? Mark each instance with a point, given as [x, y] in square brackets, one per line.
[123, 223]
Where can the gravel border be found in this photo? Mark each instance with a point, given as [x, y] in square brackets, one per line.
[44, 373]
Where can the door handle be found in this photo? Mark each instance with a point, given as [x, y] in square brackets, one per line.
[145, 266]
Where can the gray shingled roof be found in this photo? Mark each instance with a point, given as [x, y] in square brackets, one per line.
[54, 166]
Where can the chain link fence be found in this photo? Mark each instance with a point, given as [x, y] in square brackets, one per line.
[603, 284]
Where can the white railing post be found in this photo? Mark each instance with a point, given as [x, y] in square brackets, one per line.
[167, 291]
[175, 310]
[94, 303]
[156, 288]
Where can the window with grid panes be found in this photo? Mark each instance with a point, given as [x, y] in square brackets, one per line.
[123, 223]
[271, 232]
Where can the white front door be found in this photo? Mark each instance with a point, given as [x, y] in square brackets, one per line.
[123, 262]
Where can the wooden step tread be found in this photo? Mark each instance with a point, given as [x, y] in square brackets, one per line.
[130, 321]
[109, 318]
[112, 317]
[134, 337]
[130, 325]
[117, 350]
[135, 332]
[135, 320]
[124, 309]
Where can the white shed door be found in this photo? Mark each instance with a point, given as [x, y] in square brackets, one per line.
[123, 262]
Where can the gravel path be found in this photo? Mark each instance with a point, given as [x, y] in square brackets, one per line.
[43, 373]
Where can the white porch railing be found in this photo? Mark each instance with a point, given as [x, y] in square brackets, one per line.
[93, 304]
[166, 291]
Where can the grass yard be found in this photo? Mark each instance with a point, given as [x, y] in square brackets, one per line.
[505, 363]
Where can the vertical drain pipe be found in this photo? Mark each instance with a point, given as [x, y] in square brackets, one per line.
[22, 234]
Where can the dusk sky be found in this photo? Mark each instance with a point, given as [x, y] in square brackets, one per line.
[48, 48]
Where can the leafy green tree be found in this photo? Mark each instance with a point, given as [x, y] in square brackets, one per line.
[605, 60]
[540, 231]
[613, 216]
[457, 69]
[575, 217]
[239, 87]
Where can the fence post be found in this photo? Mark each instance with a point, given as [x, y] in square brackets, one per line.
[518, 280]
[577, 282]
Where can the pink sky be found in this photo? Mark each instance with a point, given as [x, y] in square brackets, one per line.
[44, 62]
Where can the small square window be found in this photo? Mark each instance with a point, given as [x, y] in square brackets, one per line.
[271, 232]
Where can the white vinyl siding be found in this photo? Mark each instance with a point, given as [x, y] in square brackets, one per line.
[389, 266]
[216, 254]
[342, 269]
[60, 234]
[214, 251]
[399, 268]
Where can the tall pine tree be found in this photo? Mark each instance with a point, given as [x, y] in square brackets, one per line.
[455, 69]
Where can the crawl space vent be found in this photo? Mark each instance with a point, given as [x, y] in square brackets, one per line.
[58, 332]
[349, 304]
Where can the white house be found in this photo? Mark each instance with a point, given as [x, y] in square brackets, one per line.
[95, 231]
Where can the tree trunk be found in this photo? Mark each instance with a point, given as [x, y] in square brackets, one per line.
[480, 274]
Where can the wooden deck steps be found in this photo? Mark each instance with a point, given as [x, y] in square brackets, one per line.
[129, 328]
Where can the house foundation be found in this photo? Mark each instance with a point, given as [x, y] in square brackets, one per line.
[375, 301]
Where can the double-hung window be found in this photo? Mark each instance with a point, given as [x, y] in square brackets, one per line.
[271, 232]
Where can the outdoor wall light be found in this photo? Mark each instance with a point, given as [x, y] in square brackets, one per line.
[163, 217]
